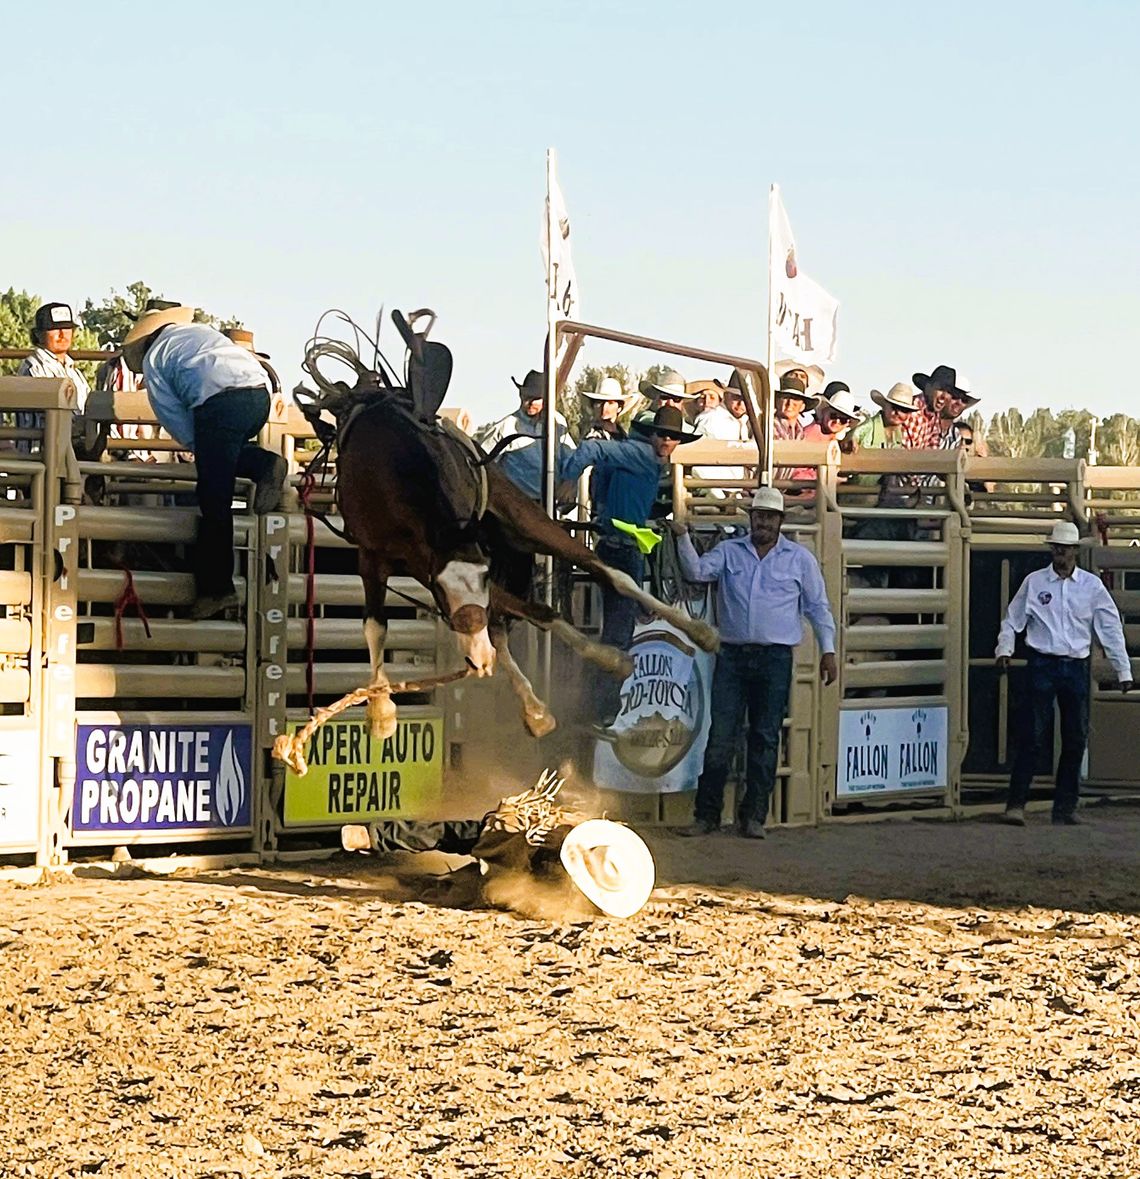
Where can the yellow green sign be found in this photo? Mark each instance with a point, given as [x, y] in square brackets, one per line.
[353, 778]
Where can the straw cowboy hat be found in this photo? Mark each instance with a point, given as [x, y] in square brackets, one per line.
[151, 321]
[533, 387]
[767, 499]
[610, 864]
[791, 385]
[669, 384]
[813, 374]
[669, 421]
[609, 389]
[842, 403]
[1064, 532]
[696, 388]
[901, 395]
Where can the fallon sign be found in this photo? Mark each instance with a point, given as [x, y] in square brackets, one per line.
[891, 751]
[156, 778]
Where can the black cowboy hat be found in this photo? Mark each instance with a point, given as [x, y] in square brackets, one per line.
[532, 387]
[668, 421]
[943, 377]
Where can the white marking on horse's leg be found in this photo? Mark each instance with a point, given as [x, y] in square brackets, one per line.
[611, 659]
[697, 629]
[381, 707]
[536, 716]
[466, 590]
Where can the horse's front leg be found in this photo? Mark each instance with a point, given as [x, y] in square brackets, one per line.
[536, 716]
[381, 707]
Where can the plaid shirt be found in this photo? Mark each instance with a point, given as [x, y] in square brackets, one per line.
[922, 430]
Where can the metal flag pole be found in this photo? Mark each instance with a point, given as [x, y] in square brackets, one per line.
[549, 423]
[770, 355]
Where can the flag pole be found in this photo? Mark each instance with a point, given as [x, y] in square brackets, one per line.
[550, 428]
[770, 356]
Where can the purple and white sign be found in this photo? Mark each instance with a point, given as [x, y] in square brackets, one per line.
[162, 777]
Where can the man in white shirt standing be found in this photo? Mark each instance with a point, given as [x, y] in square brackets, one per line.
[1060, 608]
[53, 333]
[212, 395]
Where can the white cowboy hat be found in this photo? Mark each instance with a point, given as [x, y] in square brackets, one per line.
[610, 864]
[815, 375]
[609, 389]
[843, 403]
[1064, 532]
[150, 321]
[901, 395]
[671, 383]
[767, 499]
[963, 391]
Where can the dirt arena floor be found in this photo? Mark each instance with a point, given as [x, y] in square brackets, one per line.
[905, 999]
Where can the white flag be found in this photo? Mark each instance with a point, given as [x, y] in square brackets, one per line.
[802, 315]
[565, 292]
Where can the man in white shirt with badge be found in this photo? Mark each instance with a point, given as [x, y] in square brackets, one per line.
[1060, 608]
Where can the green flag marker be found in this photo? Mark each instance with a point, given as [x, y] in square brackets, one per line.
[647, 539]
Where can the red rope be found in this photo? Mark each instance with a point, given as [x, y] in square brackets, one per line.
[305, 489]
[128, 596]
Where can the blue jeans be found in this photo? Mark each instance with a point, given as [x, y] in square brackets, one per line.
[619, 614]
[756, 678]
[1050, 677]
[223, 425]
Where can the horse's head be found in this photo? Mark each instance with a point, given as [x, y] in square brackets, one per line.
[463, 590]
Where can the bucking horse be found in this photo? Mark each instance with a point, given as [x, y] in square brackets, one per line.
[418, 497]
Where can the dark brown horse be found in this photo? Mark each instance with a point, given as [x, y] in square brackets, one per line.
[419, 499]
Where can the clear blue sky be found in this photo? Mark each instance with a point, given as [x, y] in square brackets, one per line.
[964, 179]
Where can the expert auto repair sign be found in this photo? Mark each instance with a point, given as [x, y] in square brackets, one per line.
[152, 778]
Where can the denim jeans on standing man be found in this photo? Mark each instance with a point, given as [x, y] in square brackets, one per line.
[755, 677]
[1049, 677]
[223, 425]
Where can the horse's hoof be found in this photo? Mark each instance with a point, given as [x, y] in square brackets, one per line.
[382, 719]
[539, 724]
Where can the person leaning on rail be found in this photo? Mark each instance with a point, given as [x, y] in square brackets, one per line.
[1060, 608]
[212, 396]
[765, 585]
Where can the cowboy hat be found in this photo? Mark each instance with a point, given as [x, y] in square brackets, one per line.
[610, 865]
[812, 372]
[1064, 532]
[900, 396]
[962, 392]
[767, 499]
[533, 387]
[609, 389]
[668, 421]
[696, 388]
[842, 403]
[243, 338]
[791, 385]
[151, 321]
[669, 384]
[943, 377]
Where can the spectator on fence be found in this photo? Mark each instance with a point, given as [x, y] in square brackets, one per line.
[212, 396]
[668, 389]
[727, 421]
[884, 430]
[630, 472]
[521, 458]
[835, 416]
[792, 401]
[708, 396]
[809, 376]
[766, 584]
[1060, 608]
[957, 403]
[605, 405]
[923, 430]
[53, 333]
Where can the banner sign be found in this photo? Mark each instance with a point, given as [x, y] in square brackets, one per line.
[804, 317]
[556, 223]
[656, 745]
[891, 750]
[155, 778]
[19, 786]
[352, 779]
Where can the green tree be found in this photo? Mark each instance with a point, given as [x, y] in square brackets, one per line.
[1118, 441]
[111, 319]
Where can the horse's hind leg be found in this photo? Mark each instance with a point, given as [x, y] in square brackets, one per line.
[381, 708]
[536, 715]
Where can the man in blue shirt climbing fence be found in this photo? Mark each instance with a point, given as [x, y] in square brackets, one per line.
[766, 584]
[211, 395]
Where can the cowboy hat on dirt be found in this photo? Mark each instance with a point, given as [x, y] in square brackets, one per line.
[669, 384]
[668, 421]
[152, 321]
[609, 389]
[901, 395]
[610, 865]
[533, 387]
[811, 374]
